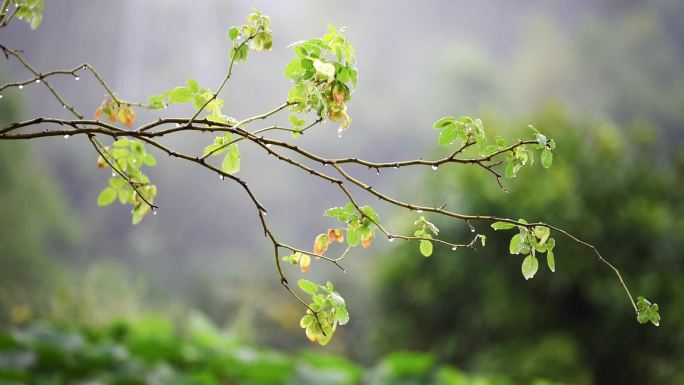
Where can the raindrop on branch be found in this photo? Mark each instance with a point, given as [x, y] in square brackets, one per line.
[419, 211]
[154, 211]
[21, 86]
[77, 78]
[66, 136]
[37, 80]
[268, 145]
[221, 176]
[454, 248]
[434, 167]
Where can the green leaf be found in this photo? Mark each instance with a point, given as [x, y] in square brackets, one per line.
[647, 312]
[542, 232]
[353, 236]
[502, 225]
[425, 247]
[546, 158]
[181, 95]
[307, 286]
[326, 70]
[106, 197]
[530, 266]
[516, 244]
[445, 121]
[149, 160]
[551, 260]
[448, 135]
[233, 33]
[231, 162]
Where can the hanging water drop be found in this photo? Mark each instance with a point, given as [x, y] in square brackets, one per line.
[472, 229]
[21, 86]
[178, 125]
[221, 176]
[434, 167]
[390, 238]
[454, 248]
[77, 78]
[396, 166]
[0, 96]
[419, 211]
[154, 211]
[66, 136]
[37, 80]
[268, 145]
[263, 212]
[113, 174]
[85, 66]
[64, 106]
[377, 171]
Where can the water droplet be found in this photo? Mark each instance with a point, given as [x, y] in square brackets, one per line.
[85, 66]
[221, 176]
[264, 213]
[472, 229]
[268, 145]
[434, 167]
[0, 96]
[21, 86]
[390, 238]
[77, 78]
[113, 174]
[178, 125]
[419, 211]
[166, 106]
[66, 136]
[64, 106]
[154, 211]
[377, 171]
[396, 166]
[37, 80]
[454, 248]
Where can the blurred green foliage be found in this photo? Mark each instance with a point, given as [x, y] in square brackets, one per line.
[473, 308]
[151, 350]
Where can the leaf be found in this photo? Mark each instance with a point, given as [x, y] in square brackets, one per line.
[546, 158]
[321, 244]
[233, 33]
[326, 70]
[445, 121]
[448, 135]
[335, 235]
[530, 266]
[304, 262]
[425, 247]
[502, 225]
[149, 160]
[353, 236]
[551, 260]
[307, 286]
[231, 162]
[516, 244]
[542, 232]
[106, 197]
[181, 95]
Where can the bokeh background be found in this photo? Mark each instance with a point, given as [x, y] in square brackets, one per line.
[605, 79]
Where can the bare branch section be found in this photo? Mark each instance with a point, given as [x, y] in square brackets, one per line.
[321, 86]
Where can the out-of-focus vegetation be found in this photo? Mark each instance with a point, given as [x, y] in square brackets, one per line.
[474, 309]
[152, 351]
